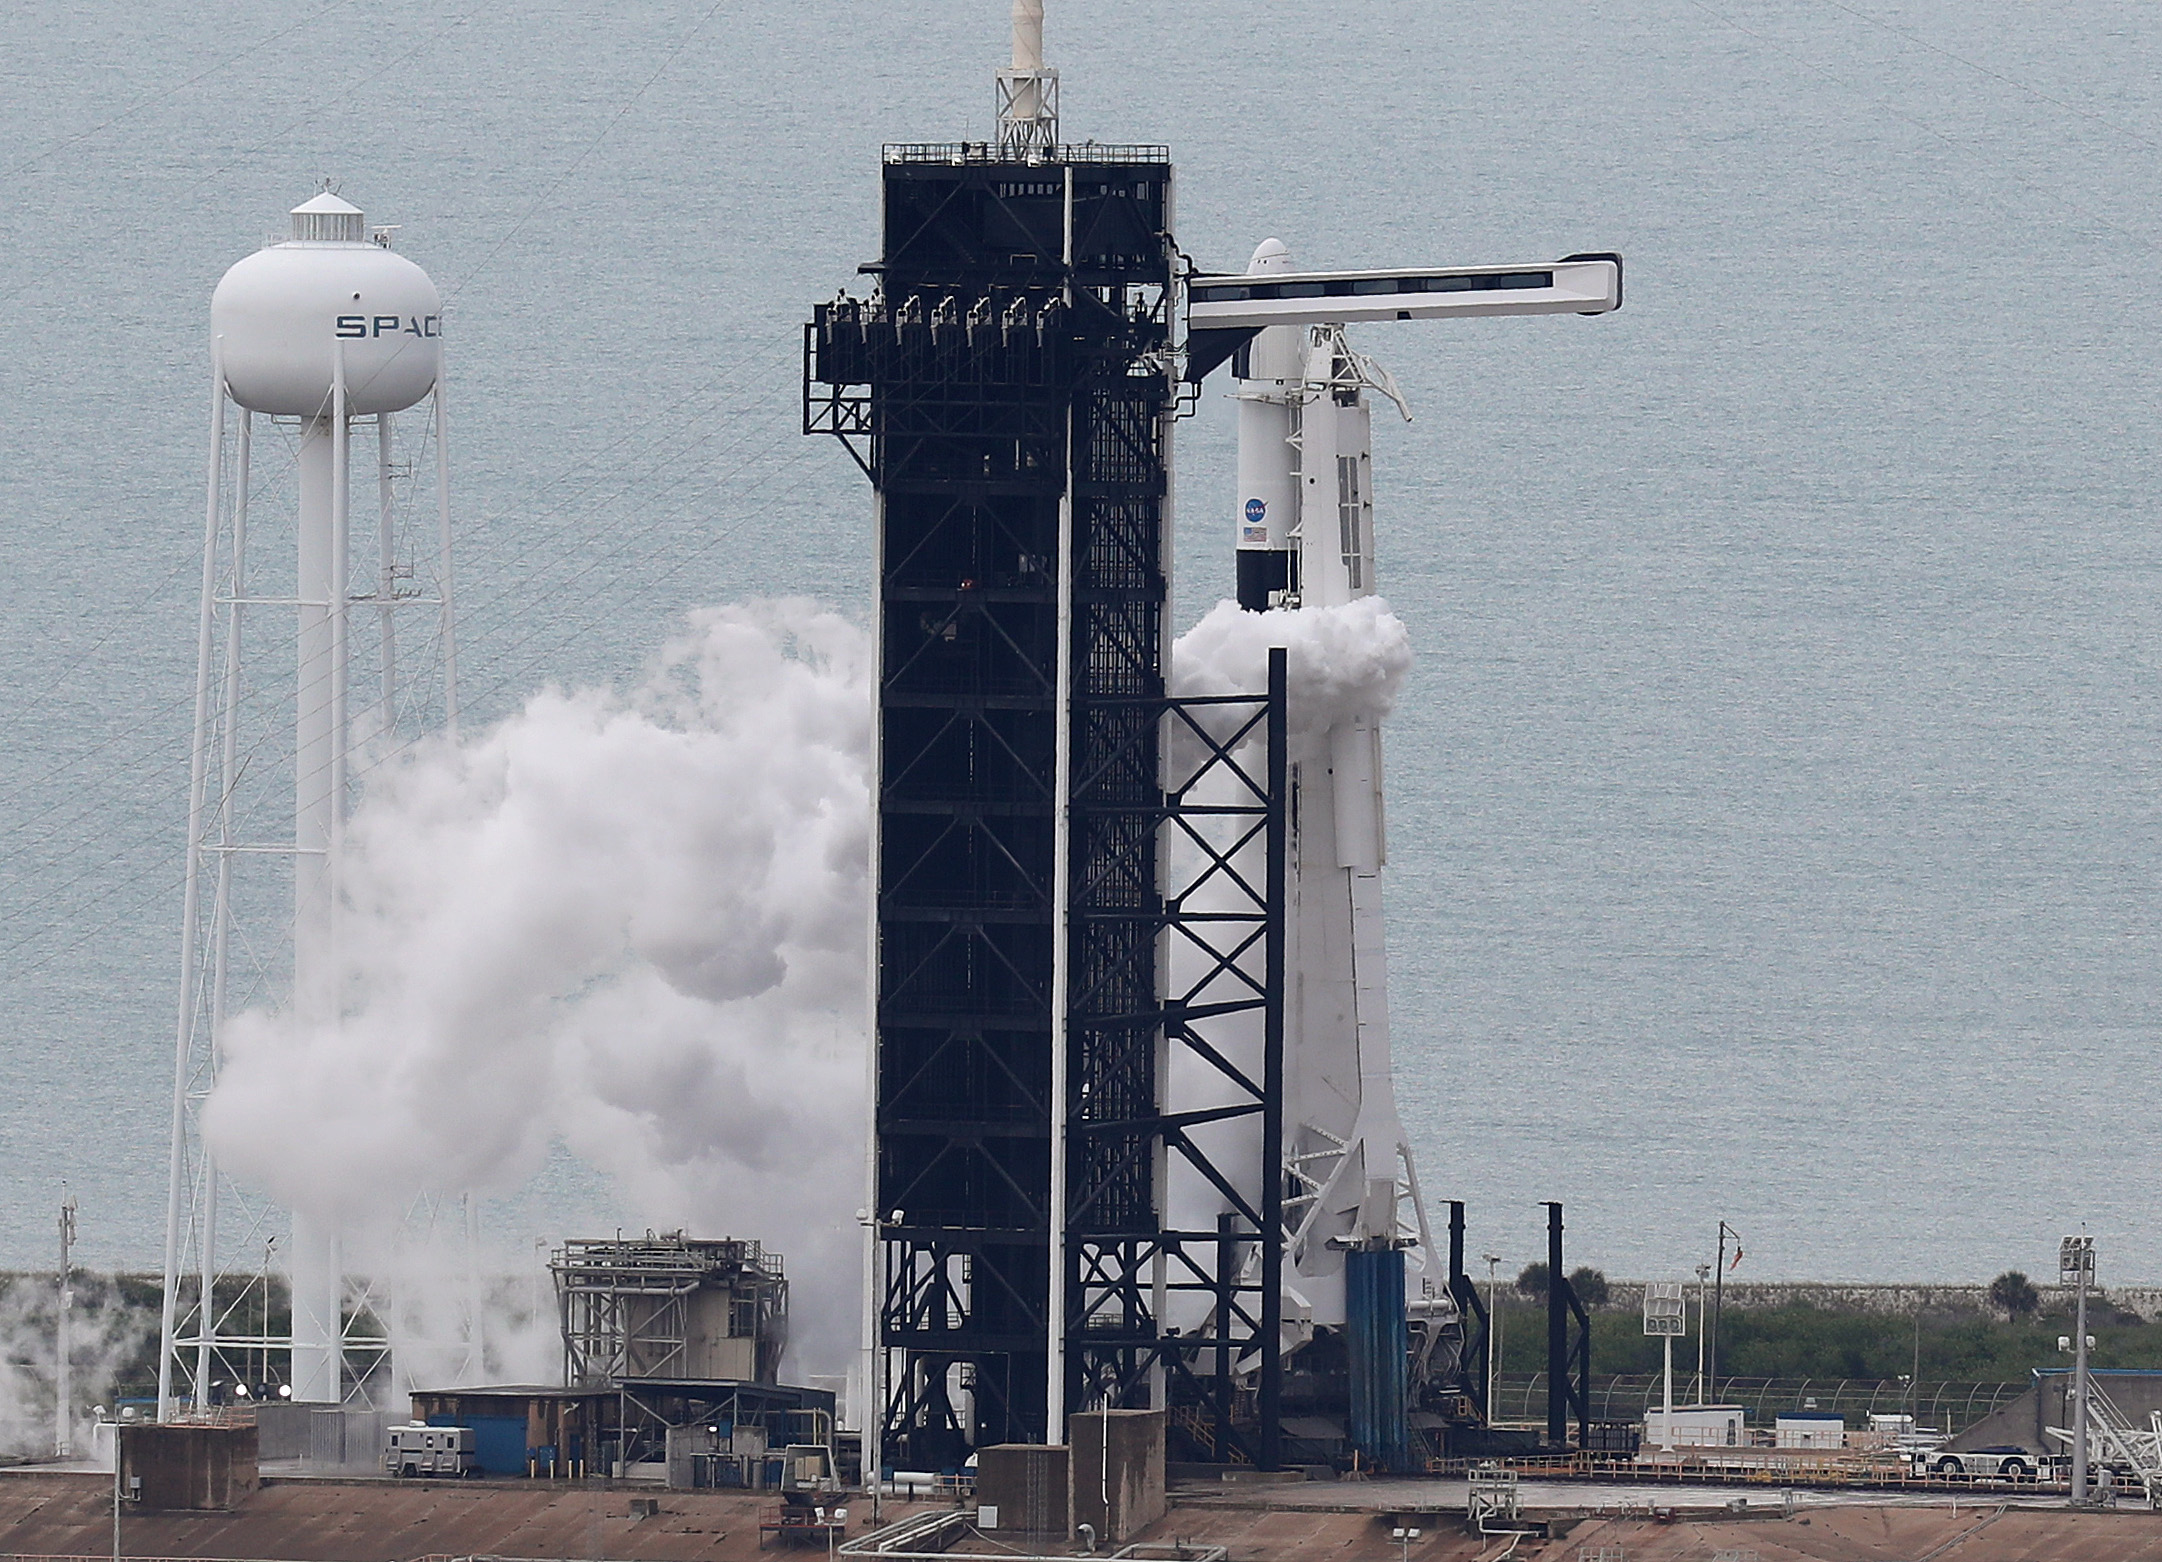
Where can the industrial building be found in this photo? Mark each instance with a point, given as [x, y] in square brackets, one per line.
[669, 1307]
[671, 1348]
[633, 1429]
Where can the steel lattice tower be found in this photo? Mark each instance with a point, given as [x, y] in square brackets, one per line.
[1010, 391]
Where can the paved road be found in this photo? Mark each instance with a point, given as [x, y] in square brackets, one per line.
[1443, 1494]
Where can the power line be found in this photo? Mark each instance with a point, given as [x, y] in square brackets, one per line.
[1994, 75]
[171, 92]
[2000, 169]
[624, 475]
[591, 146]
[167, 859]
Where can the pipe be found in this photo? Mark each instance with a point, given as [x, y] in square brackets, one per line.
[1557, 1335]
[443, 596]
[386, 584]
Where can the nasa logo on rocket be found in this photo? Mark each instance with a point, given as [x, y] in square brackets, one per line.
[1256, 513]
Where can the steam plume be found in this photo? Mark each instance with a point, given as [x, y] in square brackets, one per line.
[631, 923]
[1342, 662]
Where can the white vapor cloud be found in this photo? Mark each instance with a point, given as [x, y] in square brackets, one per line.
[632, 923]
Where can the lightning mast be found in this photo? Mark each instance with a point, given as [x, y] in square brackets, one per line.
[1028, 91]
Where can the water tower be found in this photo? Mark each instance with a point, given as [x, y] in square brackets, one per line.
[315, 338]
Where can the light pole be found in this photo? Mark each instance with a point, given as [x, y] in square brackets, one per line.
[1666, 1314]
[2075, 1266]
[1493, 1332]
[63, 1392]
[1914, 1379]
[872, 1422]
[1404, 1537]
[270, 1248]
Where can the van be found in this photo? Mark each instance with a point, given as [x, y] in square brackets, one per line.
[419, 1449]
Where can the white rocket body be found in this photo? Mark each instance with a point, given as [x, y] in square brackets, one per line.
[1268, 472]
[1306, 498]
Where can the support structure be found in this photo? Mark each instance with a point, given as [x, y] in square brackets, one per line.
[1161, 1307]
[669, 1308]
[1027, 108]
[1009, 391]
[1568, 1347]
[1477, 1359]
[1132, 1120]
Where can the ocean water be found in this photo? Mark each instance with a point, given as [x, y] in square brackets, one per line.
[1773, 806]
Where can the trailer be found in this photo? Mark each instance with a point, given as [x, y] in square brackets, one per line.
[418, 1449]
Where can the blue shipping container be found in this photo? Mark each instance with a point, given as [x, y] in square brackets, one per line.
[498, 1441]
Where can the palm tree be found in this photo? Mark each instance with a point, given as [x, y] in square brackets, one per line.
[2016, 1294]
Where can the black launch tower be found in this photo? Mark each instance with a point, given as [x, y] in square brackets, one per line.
[1009, 388]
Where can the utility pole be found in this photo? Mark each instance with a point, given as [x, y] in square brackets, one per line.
[63, 1390]
[1719, 1288]
[1916, 1376]
[872, 1423]
[1704, 1274]
[1493, 1333]
[2075, 1266]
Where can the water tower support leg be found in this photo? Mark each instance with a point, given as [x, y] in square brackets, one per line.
[191, 895]
[386, 585]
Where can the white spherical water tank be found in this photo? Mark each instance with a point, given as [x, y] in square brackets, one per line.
[283, 315]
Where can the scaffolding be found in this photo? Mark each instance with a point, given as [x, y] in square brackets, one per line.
[670, 1308]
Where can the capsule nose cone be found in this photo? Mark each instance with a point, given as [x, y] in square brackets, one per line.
[1269, 255]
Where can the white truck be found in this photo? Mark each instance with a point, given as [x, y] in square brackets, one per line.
[417, 1449]
[2001, 1461]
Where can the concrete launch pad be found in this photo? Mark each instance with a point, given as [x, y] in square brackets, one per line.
[53, 1514]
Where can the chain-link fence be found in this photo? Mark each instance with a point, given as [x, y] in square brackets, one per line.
[1949, 1407]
